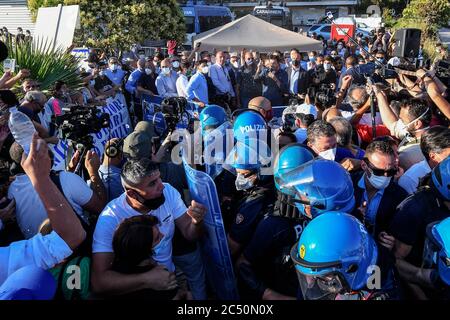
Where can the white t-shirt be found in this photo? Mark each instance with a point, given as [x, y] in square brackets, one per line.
[30, 210]
[41, 251]
[410, 179]
[182, 83]
[119, 209]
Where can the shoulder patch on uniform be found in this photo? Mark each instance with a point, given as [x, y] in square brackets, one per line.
[239, 218]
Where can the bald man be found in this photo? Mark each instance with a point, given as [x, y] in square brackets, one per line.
[263, 106]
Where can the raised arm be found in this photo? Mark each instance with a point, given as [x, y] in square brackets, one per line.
[62, 217]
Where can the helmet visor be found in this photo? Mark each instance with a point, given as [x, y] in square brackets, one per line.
[323, 287]
[301, 183]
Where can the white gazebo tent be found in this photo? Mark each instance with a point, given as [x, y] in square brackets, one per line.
[255, 34]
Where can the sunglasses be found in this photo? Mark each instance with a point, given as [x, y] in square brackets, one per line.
[380, 172]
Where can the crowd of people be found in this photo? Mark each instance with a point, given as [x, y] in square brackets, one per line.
[353, 195]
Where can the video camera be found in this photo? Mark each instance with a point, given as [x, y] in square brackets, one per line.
[78, 122]
[173, 110]
[324, 96]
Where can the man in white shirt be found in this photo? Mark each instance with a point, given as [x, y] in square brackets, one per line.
[220, 76]
[182, 81]
[435, 146]
[43, 251]
[30, 211]
[145, 194]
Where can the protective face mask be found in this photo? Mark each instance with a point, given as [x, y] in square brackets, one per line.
[329, 154]
[148, 71]
[113, 67]
[165, 70]
[340, 47]
[379, 182]
[327, 66]
[119, 67]
[312, 59]
[153, 204]
[141, 56]
[102, 73]
[205, 70]
[227, 61]
[404, 127]
[92, 83]
[209, 64]
[357, 52]
[249, 62]
[243, 183]
[176, 64]
[235, 64]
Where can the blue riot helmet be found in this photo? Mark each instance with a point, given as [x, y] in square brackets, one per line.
[437, 248]
[319, 186]
[248, 125]
[441, 178]
[333, 256]
[289, 158]
[211, 117]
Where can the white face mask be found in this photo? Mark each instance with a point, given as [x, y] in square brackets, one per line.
[379, 182]
[205, 70]
[176, 64]
[243, 183]
[119, 67]
[148, 71]
[403, 128]
[165, 70]
[329, 154]
[340, 47]
[327, 66]
[235, 64]
[92, 83]
[102, 73]
[113, 67]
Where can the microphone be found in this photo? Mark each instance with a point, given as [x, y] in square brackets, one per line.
[330, 15]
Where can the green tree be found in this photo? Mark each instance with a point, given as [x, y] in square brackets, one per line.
[430, 14]
[116, 25]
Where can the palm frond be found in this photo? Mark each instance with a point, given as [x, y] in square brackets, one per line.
[47, 65]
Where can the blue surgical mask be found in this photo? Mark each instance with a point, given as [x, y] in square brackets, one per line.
[312, 59]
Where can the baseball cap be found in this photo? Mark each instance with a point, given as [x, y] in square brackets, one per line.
[234, 54]
[147, 127]
[307, 109]
[137, 145]
[29, 283]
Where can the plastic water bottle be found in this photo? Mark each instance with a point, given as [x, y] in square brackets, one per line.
[22, 129]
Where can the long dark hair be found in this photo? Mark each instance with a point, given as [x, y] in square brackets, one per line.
[133, 242]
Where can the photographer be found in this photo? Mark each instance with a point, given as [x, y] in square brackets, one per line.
[274, 80]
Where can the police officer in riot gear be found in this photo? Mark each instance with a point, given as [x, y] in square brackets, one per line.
[265, 270]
